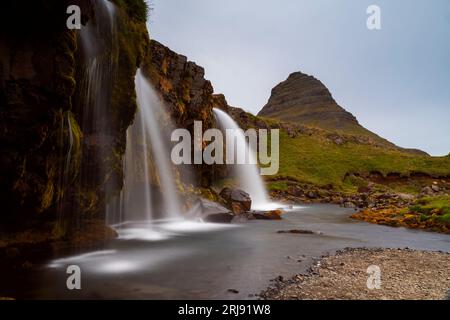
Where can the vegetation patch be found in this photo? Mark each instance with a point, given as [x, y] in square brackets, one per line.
[431, 213]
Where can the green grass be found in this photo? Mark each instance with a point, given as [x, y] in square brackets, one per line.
[434, 208]
[317, 160]
[445, 218]
[277, 185]
[439, 205]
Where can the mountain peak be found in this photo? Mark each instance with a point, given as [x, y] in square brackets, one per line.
[302, 98]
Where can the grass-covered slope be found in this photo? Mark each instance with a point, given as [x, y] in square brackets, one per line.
[344, 161]
[320, 161]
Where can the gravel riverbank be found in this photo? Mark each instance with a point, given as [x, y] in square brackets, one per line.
[404, 274]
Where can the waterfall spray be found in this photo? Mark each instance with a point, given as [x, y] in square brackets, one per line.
[149, 108]
[99, 43]
[147, 164]
[99, 52]
[247, 174]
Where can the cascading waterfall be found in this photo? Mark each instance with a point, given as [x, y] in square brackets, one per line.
[145, 141]
[150, 107]
[99, 41]
[247, 174]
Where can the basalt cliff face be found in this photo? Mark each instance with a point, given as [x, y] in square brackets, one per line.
[42, 110]
[187, 94]
[58, 170]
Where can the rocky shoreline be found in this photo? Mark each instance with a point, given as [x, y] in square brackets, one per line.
[370, 196]
[429, 209]
[404, 274]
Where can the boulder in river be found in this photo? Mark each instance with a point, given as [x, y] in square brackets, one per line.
[211, 211]
[268, 215]
[238, 201]
[299, 231]
[222, 217]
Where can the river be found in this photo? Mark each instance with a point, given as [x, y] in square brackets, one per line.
[183, 260]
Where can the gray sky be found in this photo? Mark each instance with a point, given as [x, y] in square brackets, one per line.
[396, 81]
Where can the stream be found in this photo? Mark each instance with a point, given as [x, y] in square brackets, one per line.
[189, 260]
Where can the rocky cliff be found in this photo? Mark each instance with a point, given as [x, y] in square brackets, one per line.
[188, 95]
[42, 111]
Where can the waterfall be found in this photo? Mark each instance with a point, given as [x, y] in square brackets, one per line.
[150, 107]
[247, 174]
[99, 43]
[146, 139]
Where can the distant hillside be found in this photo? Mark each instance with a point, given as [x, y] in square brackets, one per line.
[305, 100]
[344, 161]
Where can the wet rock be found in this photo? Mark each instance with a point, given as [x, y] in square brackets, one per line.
[233, 291]
[296, 231]
[312, 195]
[349, 204]
[279, 278]
[406, 197]
[295, 191]
[208, 207]
[268, 215]
[237, 208]
[435, 188]
[210, 211]
[224, 217]
[426, 191]
[243, 217]
[238, 201]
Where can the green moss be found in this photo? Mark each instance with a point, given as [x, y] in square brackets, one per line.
[47, 197]
[278, 186]
[437, 206]
[76, 150]
[88, 201]
[445, 218]
[417, 208]
[136, 9]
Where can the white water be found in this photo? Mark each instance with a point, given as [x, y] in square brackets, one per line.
[247, 175]
[147, 168]
[149, 108]
[98, 41]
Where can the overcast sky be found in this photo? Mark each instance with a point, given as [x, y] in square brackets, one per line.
[396, 80]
